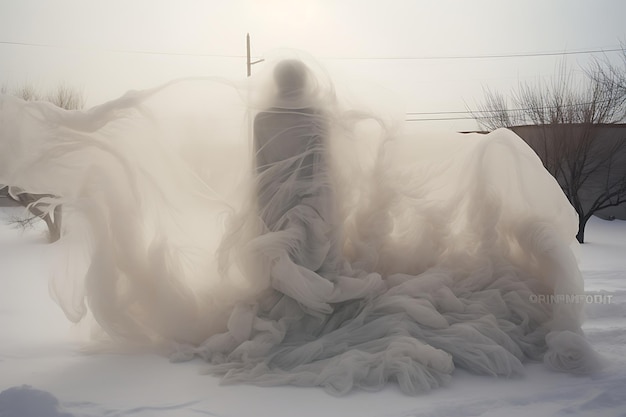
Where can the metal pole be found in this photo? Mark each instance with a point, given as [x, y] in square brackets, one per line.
[248, 61]
[249, 65]
[248, 114]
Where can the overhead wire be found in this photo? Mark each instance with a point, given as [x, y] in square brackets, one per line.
[463, 115]
[391, 58]
[470, 114]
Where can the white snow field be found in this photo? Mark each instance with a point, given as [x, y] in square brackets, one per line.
[44, 373]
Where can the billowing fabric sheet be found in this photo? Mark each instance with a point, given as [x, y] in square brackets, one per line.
[290, 232]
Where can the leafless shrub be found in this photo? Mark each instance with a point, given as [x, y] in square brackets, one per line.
[66, 97]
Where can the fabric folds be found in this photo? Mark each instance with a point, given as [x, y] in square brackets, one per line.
[288, 234]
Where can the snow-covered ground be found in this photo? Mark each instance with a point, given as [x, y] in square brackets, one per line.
[44, 374]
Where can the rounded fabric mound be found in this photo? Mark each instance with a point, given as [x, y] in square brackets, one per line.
[288, 233]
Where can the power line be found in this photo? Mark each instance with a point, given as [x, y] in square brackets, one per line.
[439, 118]
[123, 51]
[415, 113]
[472, 112]
[489, 56]
[373, 58]
[520, 55]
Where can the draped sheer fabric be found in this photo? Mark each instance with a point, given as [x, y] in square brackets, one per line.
[288, 234]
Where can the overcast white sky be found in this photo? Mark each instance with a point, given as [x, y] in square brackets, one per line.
[86, 38]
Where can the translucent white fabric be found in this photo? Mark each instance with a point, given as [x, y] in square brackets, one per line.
[289, 235]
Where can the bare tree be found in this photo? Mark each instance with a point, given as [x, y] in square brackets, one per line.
[67, 98]
[568, 120]
[52, 219]
[611, 76]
